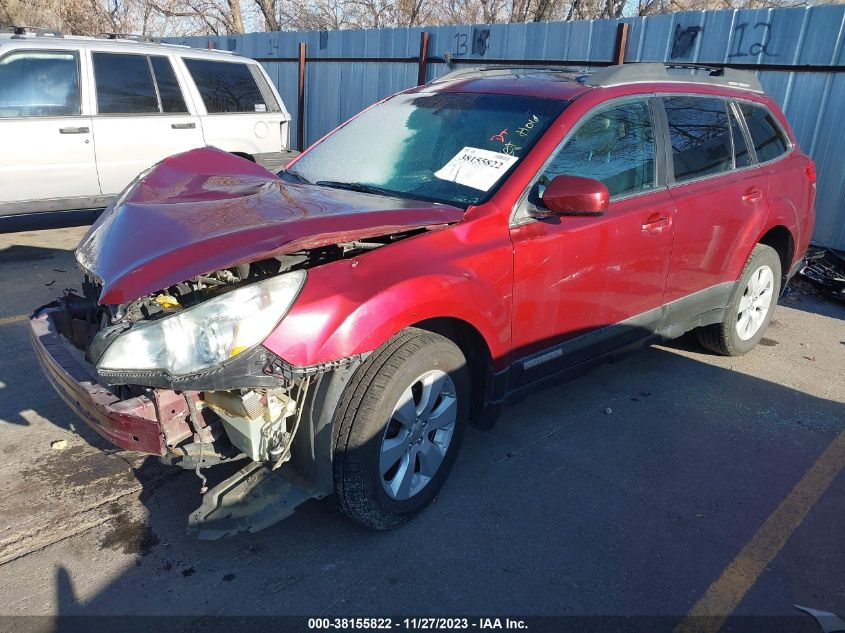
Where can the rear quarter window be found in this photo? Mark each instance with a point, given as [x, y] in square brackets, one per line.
[230, 87]
[766, 135]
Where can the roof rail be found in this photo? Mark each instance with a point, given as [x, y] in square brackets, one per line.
[131, 36]
[20, 30]
[643, 72]
[476, 72]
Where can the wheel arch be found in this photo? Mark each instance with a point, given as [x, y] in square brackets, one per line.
[479, 358]
[780, 238]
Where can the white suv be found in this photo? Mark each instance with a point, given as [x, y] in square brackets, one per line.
[80, 117]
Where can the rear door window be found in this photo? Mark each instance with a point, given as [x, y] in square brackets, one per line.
[766, 135]
[229, 87]
[614, 146]
[700, 136]
[124, 84]
[168, 87]
[39, 83]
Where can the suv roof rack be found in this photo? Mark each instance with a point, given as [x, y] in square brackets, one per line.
[643, 72]
[476, 72]
[131, 36]
[20, 30]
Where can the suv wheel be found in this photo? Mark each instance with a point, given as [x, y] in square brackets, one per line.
[751, 307]
[398, 428]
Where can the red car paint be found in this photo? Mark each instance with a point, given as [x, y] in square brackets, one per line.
[574, 195]
[523, 288]
[207, 209]
[528, 287]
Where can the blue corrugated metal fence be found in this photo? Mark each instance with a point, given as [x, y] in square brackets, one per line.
[798, 54]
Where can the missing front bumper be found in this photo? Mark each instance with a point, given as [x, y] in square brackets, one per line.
[158, 423]
[133, 423]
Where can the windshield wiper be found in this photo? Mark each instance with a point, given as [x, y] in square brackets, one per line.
[358, 186]
[293, 174]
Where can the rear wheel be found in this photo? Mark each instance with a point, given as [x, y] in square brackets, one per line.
[751, 307]
[399, 427]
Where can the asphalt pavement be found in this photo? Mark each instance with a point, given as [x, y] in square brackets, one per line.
[669, 483]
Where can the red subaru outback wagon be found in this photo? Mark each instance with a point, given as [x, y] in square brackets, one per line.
[337, 326]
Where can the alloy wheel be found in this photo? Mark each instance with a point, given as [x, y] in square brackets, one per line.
[418, 434]
[755, 302]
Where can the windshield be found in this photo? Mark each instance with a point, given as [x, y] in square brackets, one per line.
[447, 147]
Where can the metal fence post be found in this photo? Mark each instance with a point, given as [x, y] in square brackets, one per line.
[423, 60]
[300, 103]
[621, 43]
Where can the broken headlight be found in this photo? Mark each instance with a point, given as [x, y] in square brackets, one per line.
[207, 334]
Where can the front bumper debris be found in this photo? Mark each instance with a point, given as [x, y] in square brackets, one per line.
[133, 423]
[252, 499]
[158, 422]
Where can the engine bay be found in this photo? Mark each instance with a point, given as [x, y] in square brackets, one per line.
[244, 411]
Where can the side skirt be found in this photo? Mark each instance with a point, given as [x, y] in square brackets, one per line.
[572, 358]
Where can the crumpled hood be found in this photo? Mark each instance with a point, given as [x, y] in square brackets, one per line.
[206, 209]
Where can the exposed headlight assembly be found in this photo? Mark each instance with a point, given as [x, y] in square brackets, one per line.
[207, 334]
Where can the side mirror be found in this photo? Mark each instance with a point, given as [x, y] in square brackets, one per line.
[573, 195]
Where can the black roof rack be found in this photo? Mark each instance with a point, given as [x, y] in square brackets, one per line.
[131, 36]
[20, 30]
[639, 72]
[643, 72]
[476, 72]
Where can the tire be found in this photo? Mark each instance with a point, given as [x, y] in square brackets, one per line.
[371, 428]
[746, 319]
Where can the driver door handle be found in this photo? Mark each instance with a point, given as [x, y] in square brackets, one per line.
[656, 222]
[752, 195]
[183, 126]
[74, 130]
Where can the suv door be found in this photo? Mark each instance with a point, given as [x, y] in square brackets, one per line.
[243, 114]
[583, 285]
[720, 195]
[48, 157]
[142, 116]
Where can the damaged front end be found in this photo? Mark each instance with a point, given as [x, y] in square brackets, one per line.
[180, 373]
[185, 276]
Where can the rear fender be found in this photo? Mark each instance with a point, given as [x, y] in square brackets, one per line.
[781, 211]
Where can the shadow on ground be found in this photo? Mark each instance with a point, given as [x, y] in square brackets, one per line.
[561, 509]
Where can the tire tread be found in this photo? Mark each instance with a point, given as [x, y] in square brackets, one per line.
[718, 337]
[358, 405]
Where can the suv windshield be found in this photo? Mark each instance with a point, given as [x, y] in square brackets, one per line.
[445, 147]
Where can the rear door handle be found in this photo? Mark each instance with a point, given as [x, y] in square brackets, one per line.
[183, 126]
[752, 195]
[73, 130]
[656, 223]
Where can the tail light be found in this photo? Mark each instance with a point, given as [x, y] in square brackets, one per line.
[810, 170]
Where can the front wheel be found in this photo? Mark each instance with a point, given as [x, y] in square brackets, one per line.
[751, 306]
[398, 428]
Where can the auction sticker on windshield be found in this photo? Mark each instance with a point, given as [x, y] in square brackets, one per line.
[476, 168]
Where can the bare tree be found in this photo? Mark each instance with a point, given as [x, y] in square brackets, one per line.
[223, 17]
[212, 17]
[268, 10]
